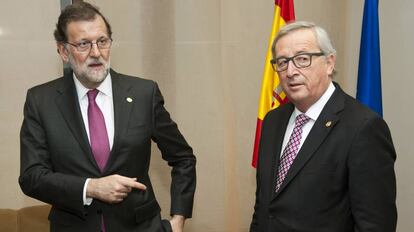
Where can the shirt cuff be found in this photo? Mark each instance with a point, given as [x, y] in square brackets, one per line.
[86, 200]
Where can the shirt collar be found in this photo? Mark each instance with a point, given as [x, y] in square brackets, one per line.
[315, 110]
[105, 87]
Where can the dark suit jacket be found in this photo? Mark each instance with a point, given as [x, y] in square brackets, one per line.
[341, 180]
[56, 157]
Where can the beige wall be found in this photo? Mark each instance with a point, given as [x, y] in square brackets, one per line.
[397, 48]
[27, 57]
[207, 57]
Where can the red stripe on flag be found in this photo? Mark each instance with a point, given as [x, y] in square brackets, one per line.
[278, 98]
[287, 9]
[256, 142]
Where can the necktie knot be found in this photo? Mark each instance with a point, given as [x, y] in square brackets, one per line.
[92, 94]
[301, 120]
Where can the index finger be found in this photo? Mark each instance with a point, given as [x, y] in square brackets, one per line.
[133, 183]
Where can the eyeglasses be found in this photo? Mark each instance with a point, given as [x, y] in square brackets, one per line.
[86, 46]
[301, 60]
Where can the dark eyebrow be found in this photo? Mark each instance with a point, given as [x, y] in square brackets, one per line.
[87, 40]
[101, 38]
[82, 40]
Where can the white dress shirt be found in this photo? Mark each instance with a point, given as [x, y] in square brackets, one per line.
[104, 100]
[313, 113]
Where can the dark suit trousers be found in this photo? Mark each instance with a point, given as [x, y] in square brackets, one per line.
[154, 224]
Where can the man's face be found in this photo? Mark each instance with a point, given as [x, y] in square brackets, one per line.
[304, 86]
[90, 67]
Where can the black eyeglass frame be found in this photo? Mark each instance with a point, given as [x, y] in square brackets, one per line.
[274, 62]
[80, 49]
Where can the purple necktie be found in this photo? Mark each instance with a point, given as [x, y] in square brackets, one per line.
[291, 149]
[97, 131]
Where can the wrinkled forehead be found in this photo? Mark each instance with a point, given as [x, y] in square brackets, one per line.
[300, 40]
[93, 26]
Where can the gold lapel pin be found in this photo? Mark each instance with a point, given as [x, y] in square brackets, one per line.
[328, 123]
[129, 99]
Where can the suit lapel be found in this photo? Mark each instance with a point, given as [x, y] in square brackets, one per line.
[326, 121]
[68, 104]
[123, 102]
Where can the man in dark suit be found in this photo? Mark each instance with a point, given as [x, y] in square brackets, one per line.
[86, 139]
[326, 163]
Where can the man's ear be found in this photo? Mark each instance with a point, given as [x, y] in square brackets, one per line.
[63, 52]
[330, 61]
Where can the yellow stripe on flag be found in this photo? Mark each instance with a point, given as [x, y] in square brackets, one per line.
[271, 95]
[270, 81]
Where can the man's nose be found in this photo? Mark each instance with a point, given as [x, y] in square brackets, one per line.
[95, 52]
[291, 69]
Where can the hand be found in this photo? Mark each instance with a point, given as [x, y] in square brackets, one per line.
[177, 223]
[112, 189]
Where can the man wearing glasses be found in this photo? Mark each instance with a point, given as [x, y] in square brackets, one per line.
[326, 163]
[86, 139]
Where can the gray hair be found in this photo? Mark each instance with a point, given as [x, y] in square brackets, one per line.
[322, 37]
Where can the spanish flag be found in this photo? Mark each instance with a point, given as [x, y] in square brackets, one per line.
[271, 95]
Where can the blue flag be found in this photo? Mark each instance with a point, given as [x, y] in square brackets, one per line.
[369, 70]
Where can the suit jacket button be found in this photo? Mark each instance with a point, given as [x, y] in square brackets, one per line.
[270, 216]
